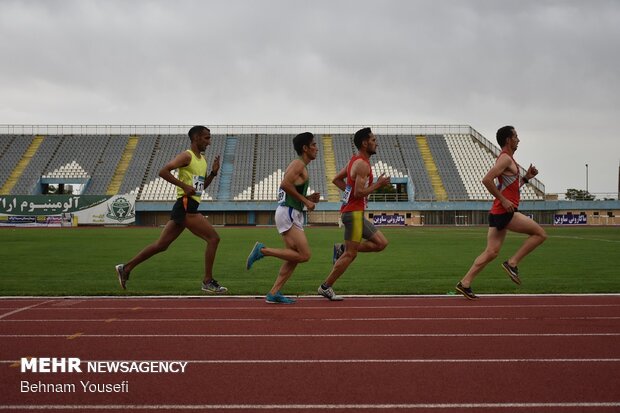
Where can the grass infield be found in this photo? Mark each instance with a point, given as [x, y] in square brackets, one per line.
[419, 260]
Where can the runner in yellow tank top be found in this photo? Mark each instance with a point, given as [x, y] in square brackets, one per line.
[193, 175]
[192, 167]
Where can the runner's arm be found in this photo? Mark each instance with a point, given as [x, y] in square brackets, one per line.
[214, 169]
[502, 164]
[292, 174]
[339, 179]
[182, 159]
[361, 171]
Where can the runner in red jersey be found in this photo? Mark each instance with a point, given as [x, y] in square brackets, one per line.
[504, 214]
[509, 186]
[360, 235]
[350, 201]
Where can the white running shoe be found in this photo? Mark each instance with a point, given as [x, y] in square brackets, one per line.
[329, 294]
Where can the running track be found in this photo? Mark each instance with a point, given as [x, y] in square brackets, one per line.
[438, 354]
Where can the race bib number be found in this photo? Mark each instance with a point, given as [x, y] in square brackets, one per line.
[346, 195]
[199, 184]
[281, 196]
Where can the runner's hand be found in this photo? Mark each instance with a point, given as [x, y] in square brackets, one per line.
[315, 197]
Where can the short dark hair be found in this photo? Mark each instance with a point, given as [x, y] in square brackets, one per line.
[195, 130]
[302, 139]
[360, 136]
[503, 134]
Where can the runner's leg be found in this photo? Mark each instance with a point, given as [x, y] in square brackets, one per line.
[525, 225]
[202, 228]
[297, 245]
[495, 239]
[171, 232]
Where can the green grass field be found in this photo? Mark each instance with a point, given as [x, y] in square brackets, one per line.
[421, 260]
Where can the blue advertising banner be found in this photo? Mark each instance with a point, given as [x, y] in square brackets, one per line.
[570, 219]
[388, 219]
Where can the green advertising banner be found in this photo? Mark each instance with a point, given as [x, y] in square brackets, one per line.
[89, 209]
[48, 204]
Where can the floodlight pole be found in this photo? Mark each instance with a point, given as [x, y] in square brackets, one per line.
[587, 192]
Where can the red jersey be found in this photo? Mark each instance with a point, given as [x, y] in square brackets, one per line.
[349, 201]
[509, 186]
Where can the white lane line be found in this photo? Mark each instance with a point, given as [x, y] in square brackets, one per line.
[305, 335]
[19, 310]
[338, 307]
[315, 297]
[365, 361]
[584, 238]
[309, 406]
[46, 320]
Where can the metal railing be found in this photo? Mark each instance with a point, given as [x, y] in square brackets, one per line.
[496, 151]
[51, 129]
[390, 197]
[228, 129]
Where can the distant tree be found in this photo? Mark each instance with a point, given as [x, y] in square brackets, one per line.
[579, 195]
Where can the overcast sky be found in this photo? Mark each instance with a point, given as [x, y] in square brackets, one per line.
[550, 68]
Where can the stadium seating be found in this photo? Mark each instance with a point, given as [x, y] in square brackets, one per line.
[12, 149]
[252, 165]
[241, 180]
[472, 161]
[416, 168]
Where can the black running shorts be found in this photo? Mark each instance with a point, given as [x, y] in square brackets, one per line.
[500, 221]
[184, 205]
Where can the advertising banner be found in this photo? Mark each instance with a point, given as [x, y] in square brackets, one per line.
[570, 219]
[48, 210]
[388, 219]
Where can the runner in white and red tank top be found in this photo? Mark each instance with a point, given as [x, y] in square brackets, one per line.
[504, 214]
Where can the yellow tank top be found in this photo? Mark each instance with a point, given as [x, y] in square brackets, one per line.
[194, 175]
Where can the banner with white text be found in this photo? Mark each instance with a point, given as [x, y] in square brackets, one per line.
[49, 210]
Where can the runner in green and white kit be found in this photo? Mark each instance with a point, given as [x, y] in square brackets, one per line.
[292, 199]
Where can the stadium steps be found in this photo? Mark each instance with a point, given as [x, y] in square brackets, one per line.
[431, 168]
[21, 165]
[121, 168]
[330, 168]
[254, 163]
[155, 149]
[226, 171]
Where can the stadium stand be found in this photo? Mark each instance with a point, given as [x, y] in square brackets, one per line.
[12, 150]
[138, 168]
[26, 183]
[447, 169]
[416, 168]
[343, 149]
[472, 161]
[252, 165]
[243, 169]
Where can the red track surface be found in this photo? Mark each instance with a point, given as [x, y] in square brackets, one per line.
[446, 354]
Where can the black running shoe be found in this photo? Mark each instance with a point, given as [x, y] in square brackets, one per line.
[513, 272]
[466, 291]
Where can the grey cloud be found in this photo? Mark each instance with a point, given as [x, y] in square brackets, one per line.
[549, 66]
